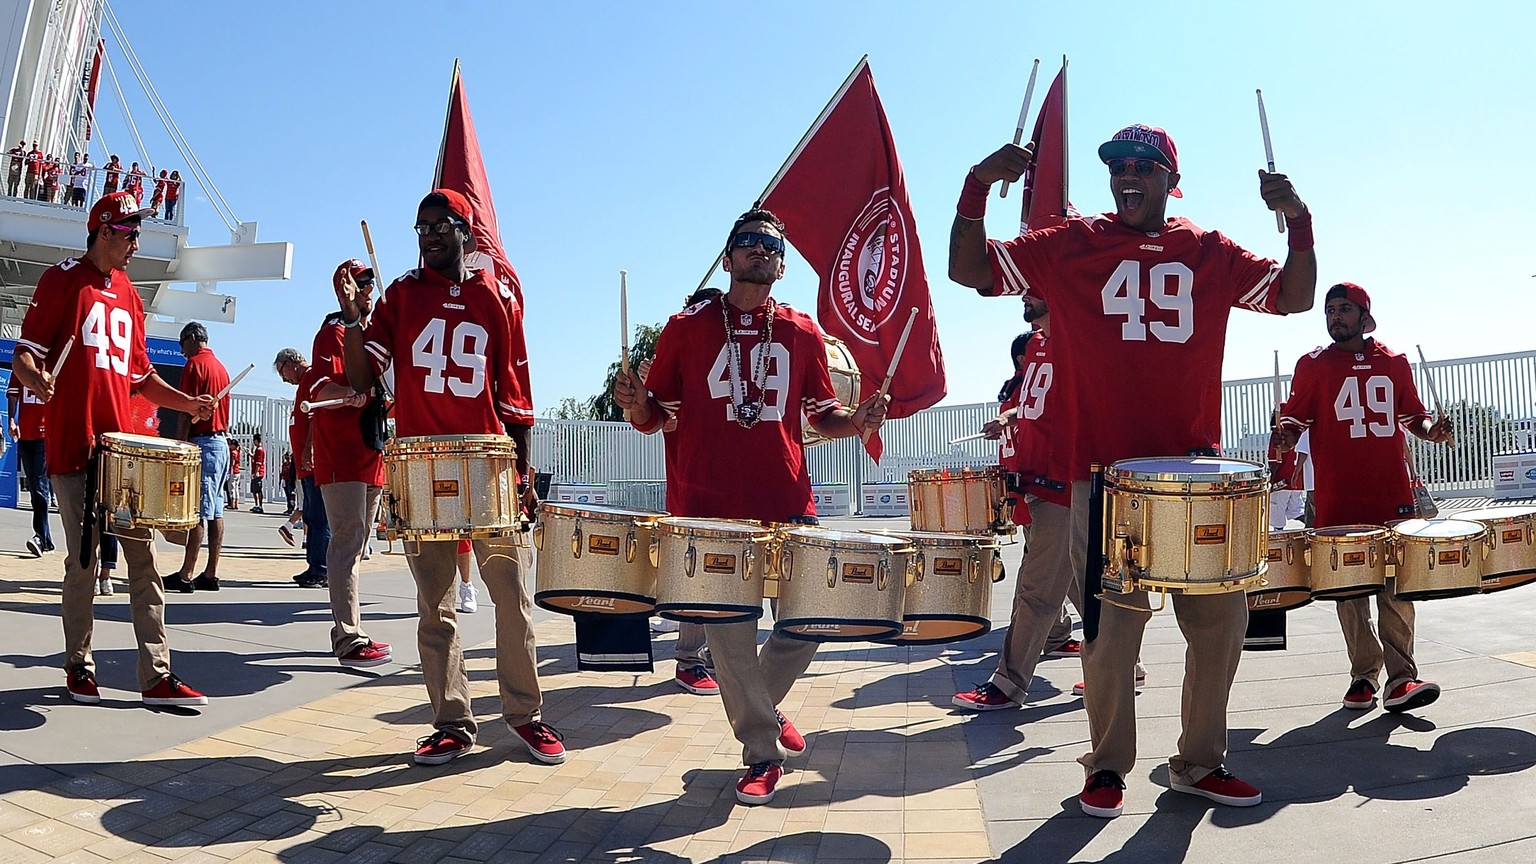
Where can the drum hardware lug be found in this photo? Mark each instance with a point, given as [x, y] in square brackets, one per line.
[576, 539]
[1466, 555]
[786, 563]
[881, 570]
[832, 571]
[654, 552]
[919, 566]
[748, 556]
[631, 545]
[1431, 552]
[538, 536]
[690, 558]
[975, 567]
[1333, 556]
[999, 572]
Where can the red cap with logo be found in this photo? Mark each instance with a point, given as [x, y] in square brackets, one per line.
[116, 207]
[1140, 141]
[454, 201]
[360, 272]
[1356, 295]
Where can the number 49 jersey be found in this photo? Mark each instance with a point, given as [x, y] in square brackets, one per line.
[1138, 329]
[109, 360]
[1355, 405]
[449, 346]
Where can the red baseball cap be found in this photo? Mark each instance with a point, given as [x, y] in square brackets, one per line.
[454, 201]
[114, 208]
[360, 272]
[1140, 141]
[1356, 295]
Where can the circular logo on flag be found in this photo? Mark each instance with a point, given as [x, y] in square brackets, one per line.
[871, 268]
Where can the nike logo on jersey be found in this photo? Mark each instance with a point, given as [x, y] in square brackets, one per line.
[523, 362]
[453, 306]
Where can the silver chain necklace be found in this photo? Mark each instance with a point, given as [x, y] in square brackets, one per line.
[748, 412]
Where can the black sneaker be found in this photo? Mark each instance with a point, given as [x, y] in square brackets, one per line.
[176, 582]
[311, 580]
[204, 582]
[257, 510]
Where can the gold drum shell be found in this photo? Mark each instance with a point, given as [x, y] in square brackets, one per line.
[1438, 558]
[155, 482]
[595, 559]
[949, 598]
[1287, 583]
[710, 571]
[453, 487]
[964, 501]
[845, 376]
[841, 586]
[1511, 561]
[1347, 561]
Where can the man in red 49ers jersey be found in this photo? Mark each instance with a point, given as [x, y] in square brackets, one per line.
[738, 372]
[1140, 304]
[91, 301]
[444, 328]
[1357, 397]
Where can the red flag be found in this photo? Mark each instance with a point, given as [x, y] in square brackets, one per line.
[93, 85]
[461, 168]
[844, 201]
[1045, 200]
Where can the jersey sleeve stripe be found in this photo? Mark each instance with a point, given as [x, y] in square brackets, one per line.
[1013, 279]
[40, 350]
[670, 407]
[1257, 297]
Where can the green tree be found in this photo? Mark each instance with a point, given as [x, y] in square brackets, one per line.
[602, 406]
[1481, 432]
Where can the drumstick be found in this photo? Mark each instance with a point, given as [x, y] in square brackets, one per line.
[231, 385]
[58, 365]
[1269, 153]
[1018, 132]
[890, 375]
[1434, 394]
[624, 326]
[971, 437]
[1276, 420]
[307, 407]
[373, 260]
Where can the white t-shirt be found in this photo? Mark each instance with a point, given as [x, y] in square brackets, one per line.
[1304, 448]
[79, 173]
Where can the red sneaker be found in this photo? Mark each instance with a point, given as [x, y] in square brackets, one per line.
[1361, 695]
[1410, 695]
[789, 737]
[758, 784]
[440, 747]
[82, 686]
[1219, 786]
[696, 679]
[1069, 648]
[173, 691]
[363, 656]
[1141, 681]
[542, 741]
[381, 647]
[986, 697]
[1103, 795]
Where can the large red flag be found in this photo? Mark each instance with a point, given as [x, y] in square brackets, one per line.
[461, 168]
[1045, 200]
[844, 202]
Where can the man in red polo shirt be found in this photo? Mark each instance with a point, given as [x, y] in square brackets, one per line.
[89, 302]
[204, 374]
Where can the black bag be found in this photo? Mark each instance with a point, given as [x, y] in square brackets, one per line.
[374, 420]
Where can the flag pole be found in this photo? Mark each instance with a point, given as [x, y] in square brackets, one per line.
[1066, 151]
[442, 148]
[795, 153]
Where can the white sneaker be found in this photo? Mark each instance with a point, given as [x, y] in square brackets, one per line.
[368, 553]
[467, 601]
[35, 546]
[104, 587]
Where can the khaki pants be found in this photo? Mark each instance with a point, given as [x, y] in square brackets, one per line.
[1212, 625]
[691, 650]
[349, 507]
[753, 683]
[1052, 573]
[502, 567]
[146, 594]
[1366, 655]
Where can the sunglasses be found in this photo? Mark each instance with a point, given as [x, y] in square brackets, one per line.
[442, 226]
[131, 230]
[749, 239]
[1143, 167]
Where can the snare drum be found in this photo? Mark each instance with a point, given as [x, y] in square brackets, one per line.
[1439, 558]
[595, 559]
[949, 598]
[710, 571]
[1512, 560]
[841, 586]
[845, 383]
[148, 482]
[1347, 562]
[967, 501]
[1287, 585]
[1193, 525]
[453, 487]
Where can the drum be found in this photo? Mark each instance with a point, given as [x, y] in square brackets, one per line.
[595, 559]
[1347, 561]
[845, 383]
[1512, 560]
[452, 487]
[967, 501]
[1194, 525]
[1287, 584]
[710, 571]
[1439, 558]
[148, 482]
[949, 598]
[841, 586]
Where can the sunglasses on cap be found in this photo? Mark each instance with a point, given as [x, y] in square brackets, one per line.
[131, 230]
[441, 226]
[748, 239]
[1143, 167]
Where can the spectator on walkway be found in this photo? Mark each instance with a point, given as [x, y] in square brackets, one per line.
[135, 182]
[293, 368]
[159, 196]
[258, 473]
[232, 481]
[34, 166]
[114, 176]
[290, 484]
[172, 195]
[13, 168]
[50, 179]
[79, 179]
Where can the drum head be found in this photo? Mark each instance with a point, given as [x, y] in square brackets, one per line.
[846, 539]
[1192, 469]
[938, 538]
[598, 511]
[1432, 528]
[710, 527]
[1494, 514]
[1347, 532]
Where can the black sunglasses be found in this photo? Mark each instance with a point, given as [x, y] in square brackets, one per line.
[441, 226]
[748, 239]
[130, 232]
[1144, 167]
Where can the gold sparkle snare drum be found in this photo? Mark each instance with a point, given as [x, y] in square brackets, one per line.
[710, 571]
[1512, 560]
[964, 501]
[595, 559]
[148, 482]
[1287, 584]
[841, 586]
[949, 598]
[1193, 525]
[845, 383]
[1438, 558]
[1346, 562]
[453, 487]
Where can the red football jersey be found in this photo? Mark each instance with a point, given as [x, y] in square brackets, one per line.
[259, 461]
[1355, 405]
[205, 374]
[449, 345]
[106, 318]
[1140, 324]
[299, 427]
[520, 402]
[1025, 447]
[29, 412]
[339, 452]
[724, 470]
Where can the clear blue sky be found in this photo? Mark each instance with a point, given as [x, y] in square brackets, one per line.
[630, 135]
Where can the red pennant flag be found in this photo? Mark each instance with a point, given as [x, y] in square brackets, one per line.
[461, 168]
[93, 85]
[844, 200]
[1045, 200]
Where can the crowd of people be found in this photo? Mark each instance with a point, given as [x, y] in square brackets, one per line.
[39, 176]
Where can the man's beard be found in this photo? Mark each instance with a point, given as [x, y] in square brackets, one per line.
[1033, 314]
[756, 274]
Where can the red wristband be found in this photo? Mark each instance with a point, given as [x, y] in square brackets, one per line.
[1299, 232]
[973, 198]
